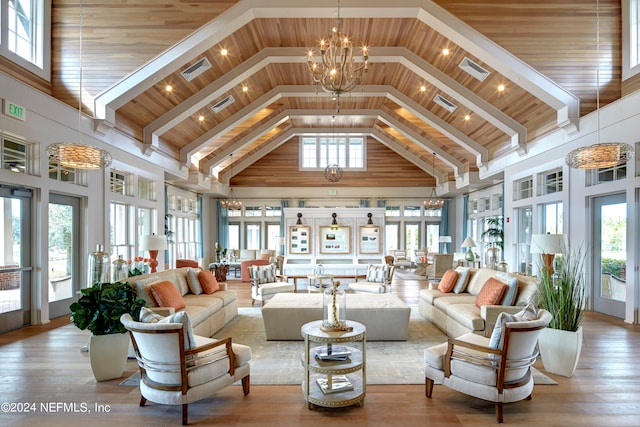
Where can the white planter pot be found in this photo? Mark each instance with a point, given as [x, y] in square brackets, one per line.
[108, 355]
[560, 350]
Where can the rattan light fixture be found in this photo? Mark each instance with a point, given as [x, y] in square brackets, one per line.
[599, 155]
[433, 202]
[77, 155]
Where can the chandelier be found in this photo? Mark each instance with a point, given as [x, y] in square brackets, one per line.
[77, 155]
[231, 202]
[599, 155]
[433, 202]
[336, 72]
[333, 173]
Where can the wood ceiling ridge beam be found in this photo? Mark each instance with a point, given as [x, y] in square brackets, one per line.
[566, 104]
[516, 131]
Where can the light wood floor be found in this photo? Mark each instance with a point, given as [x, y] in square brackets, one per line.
[43, 365]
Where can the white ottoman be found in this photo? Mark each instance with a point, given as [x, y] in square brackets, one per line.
[385, 316]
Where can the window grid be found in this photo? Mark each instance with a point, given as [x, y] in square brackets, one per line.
[319, 152]
[25, 35]
[634, 36]
[14, 156]
[601, 176]
[523, 189]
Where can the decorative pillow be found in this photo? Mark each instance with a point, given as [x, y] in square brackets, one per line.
[208, 282]
[182, 317]
[448, 281]
[512, 288]
[149, 316]
[491, 292]
[193, 282]
[265, 256]
[143, 288]
[528, 313]
[377, 273]
[262, 273]
[167, 295]
[463, 279]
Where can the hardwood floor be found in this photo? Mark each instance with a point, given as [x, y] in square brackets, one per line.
[43, 367]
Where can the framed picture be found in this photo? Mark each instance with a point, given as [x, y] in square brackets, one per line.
[299, 239]
[369, 240]
[334, 240]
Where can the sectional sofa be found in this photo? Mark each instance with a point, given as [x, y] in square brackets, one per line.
[456, 312]
[208, 313]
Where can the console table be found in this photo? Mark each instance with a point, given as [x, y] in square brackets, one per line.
[354, 368]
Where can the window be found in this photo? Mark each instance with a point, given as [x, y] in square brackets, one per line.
[26, 34]
[118, 226]
[552, 218]
[253, 211]
[391, 234]
[412, 238]
[432, 238]
[234, 236]
[524, 217]
[14, 156]
[318, 152]
[523, 189]
[253, 236]
[273, 235]
[234, 213]
[600, 176]
[146, 221]
[119, 182]
[411, 211]
[392, 211]
[272, 211]
[551, 182]
[147, 189]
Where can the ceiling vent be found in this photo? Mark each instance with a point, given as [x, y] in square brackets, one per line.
[223, 104]
[196, 69]
[474, 69]
[445, 103]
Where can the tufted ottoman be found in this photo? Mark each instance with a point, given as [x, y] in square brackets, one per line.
[385, 316]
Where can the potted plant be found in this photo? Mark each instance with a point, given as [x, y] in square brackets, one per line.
[99, 310]
[495, 235]
[563, 295]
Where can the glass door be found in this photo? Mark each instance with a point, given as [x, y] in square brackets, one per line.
[64, 229]
[610, 254]
[15, 258]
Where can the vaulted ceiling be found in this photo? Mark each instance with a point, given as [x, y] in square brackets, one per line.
[544, 54]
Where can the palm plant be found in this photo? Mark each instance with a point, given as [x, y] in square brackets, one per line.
[562, 293]
[495, 232]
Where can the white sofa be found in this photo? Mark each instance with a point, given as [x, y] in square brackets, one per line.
[208, 313]
[456, 313]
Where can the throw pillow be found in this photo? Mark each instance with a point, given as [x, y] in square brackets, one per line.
[143, 289]
[463, 279]
[497, 336]
[193, 282]
[448, 281]
[149, 316]
[182, 317]
[512, 288]
[208, 282]
[375, 273]
[167, 295]
[491, 292]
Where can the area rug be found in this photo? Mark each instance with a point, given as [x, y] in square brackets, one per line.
[279, 362]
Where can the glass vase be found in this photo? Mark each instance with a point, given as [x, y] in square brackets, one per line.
[119, 269]
[319, 270]
[334, 304]
[99, 266]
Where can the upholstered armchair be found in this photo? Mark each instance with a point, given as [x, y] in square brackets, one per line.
[496, 369]
[377, 281]
[265, 283]
[439, 265]
[401, 260]
[178, 368]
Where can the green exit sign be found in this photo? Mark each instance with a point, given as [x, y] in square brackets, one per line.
[14, 110]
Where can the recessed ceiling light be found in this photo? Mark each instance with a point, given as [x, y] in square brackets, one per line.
[423, 88]
[501, 88]
[224, 52]
[245, 89]
[467, 117]
[201, 118]
[445, 51]
[168, 88]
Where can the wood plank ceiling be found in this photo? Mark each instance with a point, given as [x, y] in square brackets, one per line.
[543, 52]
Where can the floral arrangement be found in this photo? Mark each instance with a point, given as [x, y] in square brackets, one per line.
[138, 266]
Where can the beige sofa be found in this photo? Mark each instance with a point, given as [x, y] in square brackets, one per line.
[457, 314]
[208, 313]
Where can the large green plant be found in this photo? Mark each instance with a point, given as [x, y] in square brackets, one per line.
[100, 307]
[495, 231]
[563, 293]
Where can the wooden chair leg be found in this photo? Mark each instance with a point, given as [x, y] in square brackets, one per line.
[143, 400]
[529, 397]
[499, 412]
[428, 389]
[246, 385]
[184, 414]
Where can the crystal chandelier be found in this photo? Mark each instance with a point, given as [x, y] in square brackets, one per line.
[77, 155]
[433, 202]
[231, 202]
[599, 155]
[336, 73]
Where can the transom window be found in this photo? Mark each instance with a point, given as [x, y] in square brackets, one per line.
[523, 189]
[551, 182]
[26, 27]
[319, 152]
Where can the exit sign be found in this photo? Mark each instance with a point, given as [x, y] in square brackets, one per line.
[14, 110]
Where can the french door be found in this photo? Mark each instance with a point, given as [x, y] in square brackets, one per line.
[609, 254]
[64, 257]
[15, 258]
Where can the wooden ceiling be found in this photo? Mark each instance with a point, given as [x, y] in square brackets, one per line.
[543, 52]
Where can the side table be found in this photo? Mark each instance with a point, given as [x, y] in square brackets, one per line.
[219, 270]
[318, 283]
[354, 368]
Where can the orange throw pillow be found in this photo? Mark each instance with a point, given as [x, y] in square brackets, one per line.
[167, 295]
[448, 281]
[208, 282]
[491, 292]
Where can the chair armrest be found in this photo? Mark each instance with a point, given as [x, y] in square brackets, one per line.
[490, 315]
[163, 311]
[282, 278]
[226, 342]
[452, 343]
[223, 286]
[359, 276]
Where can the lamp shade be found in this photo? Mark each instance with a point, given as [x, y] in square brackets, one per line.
[445, 239]
[153, 242]
[469, 243]
[547, 243]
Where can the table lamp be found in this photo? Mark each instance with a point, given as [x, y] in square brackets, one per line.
[153, 244]
[469, 243]
[445, 240]
[547, 245]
